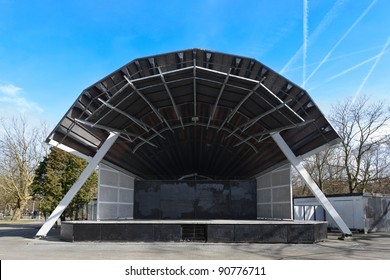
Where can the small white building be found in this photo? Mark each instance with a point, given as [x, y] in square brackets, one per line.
[364, 212]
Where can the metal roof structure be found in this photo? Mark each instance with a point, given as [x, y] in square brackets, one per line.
[194, 112]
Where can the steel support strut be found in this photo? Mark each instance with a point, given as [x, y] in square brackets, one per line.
[297, 163]
[77, 185]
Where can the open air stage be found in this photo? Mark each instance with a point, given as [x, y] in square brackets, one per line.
[262, 231]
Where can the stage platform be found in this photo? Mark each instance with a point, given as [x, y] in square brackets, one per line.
[213, 231]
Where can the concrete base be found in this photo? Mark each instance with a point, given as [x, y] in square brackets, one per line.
[214, 231]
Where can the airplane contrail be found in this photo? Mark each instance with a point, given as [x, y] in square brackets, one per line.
[371, 70]
[305, 32]
[317, 31]
[356, 66]
[349, 70]
[341, 57]
[341, 39]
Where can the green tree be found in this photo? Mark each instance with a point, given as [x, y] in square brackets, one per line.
[55, 176]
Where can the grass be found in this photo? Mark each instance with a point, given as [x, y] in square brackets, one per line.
[23, 221]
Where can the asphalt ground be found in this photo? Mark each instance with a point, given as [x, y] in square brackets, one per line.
[17, 242]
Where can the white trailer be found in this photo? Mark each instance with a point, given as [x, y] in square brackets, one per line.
[361, 212]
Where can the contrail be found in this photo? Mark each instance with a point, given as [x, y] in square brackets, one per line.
[356, 66]
[335, 58]
[371, 70]
[349, 70]
[323, 24]
[305, 32]
[341, 39]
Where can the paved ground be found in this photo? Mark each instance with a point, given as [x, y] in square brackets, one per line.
[17, 243]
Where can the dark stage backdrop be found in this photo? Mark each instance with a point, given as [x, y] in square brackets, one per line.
[195, 200]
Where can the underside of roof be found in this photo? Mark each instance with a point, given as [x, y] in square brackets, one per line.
[194, 112]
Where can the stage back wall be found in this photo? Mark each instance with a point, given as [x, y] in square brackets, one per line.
[195, 200]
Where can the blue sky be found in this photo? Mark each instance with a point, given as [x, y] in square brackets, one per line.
[51, 50]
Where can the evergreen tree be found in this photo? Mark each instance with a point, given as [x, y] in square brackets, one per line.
[55, 176]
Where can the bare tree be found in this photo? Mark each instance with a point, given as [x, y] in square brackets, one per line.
[6, 202]
[361, 162]
[319, 167]
[362, 128]
[21, 150]
[380, 174]
[327, 170]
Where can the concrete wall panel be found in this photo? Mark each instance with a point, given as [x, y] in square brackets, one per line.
[115, 194]
[274, 194]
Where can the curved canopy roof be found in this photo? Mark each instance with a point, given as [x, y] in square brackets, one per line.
[194, 112]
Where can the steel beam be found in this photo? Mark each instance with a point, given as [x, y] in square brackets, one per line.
[219, 97]
[240, 104]
[203, 125]
[77, 185]
[134, 119]
[118, 131]
[158, 114]
[140, 123]
[297, 163]
[283, 128]
[69, 150]
[281, 101]
[194, 74]
[115, 94]
[170, 96]
[251, 122]
[269, 132]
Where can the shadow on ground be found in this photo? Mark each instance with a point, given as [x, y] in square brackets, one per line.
[26, 230]
[17, 241]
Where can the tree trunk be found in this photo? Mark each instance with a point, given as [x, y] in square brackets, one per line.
[17, 215]
[76, 215]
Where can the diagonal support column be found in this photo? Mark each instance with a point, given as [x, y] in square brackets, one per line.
[77, 185]
[297, 163]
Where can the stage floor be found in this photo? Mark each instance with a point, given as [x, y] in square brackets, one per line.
[262, 231]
